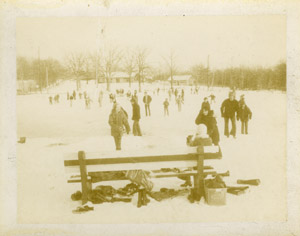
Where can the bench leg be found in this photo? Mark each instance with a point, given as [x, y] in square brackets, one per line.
[86, 185]
[199, 179]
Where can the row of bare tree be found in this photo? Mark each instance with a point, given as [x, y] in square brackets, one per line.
[242, 77]
[103, 63]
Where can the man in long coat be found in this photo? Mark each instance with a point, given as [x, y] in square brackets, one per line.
[147, 100]
[136, 116]
[229, 109]
[117, 121]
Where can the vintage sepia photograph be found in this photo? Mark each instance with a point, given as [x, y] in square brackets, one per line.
[151, 119]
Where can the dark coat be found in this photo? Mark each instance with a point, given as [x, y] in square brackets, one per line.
[136, 114]
[211, 123]
[199, 142]
[166, 104]
[229, 108]
[147, 99]
[244, 114]
[117, 121]
[205, 105]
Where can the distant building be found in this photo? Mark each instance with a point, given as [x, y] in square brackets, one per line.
[120, 77]
[26, 86]
[181, 80]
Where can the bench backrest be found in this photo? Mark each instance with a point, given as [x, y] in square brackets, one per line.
[183, 158]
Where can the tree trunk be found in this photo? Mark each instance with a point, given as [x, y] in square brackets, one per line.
[129, 81]
[108, 83]
[140, 87]
[171, 79]
[77, 83]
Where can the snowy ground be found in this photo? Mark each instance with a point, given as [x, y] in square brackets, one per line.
[54, 130]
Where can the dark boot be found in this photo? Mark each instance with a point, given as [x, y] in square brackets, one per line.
[145, 200]
[191, 197]
[140, 197]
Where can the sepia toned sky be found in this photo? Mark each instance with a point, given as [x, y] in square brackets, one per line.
[228, 40]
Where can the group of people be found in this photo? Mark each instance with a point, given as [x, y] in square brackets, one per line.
[231, 109]
[55, 98]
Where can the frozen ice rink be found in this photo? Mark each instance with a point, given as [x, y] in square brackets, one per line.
[54, 130]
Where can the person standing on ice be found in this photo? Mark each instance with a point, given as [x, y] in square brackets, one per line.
[244, 114]
[166, 107]
[50, 100]
[205, 104]
[117, 120]
[179, 102]
[71, 100]
[170, 94]
[212, 103]
[242, 100]
[176, 93]
[100, 98]
[182, 94]
[147, 100]
[74, 95]
[136, 116]
[229, 108]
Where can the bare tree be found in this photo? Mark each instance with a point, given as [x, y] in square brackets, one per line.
[129, 64]
[111, 61]
[198, 72]
[170, 61]
[95, 60]
[76, 62]
[140, 57]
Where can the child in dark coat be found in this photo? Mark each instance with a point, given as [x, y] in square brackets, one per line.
[207, 118]
[244, 114]
[200, 138]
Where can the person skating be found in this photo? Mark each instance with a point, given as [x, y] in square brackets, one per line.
[212, 103]
[244, 114]
[179, 102]
[229, 109]
[100, 98]
[50, 100]
[74, 95]
[176, 93]
[135, 96]
[147, 100]
[136, 116]
[242, 100]
[117, 120]
[166, 107]
[207, 118]
[71, 101]
[205, 104]
[88, 101]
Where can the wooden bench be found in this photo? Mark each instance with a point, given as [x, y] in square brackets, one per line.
[84, 167]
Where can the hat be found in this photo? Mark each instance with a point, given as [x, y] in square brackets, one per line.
[201, 130]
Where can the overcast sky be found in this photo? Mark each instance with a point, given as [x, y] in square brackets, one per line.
[228, 40]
